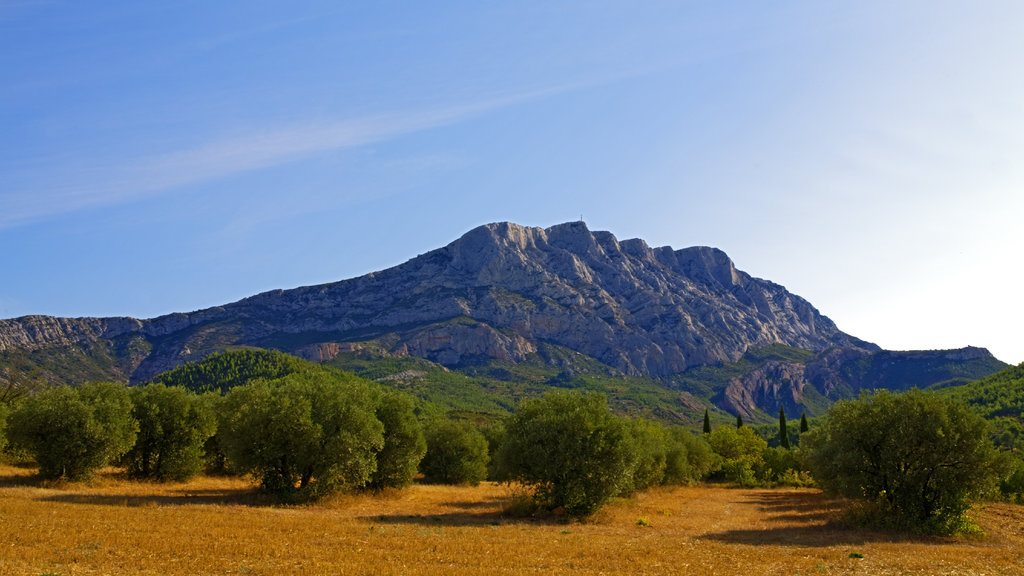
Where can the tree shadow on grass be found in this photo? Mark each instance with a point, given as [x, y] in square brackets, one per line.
[494, 511]
[809, 519]
[182, 497]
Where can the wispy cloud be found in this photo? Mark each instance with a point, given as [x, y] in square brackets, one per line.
[148, 176]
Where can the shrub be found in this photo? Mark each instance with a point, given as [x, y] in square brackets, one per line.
[456, 453]
[570, 448]
[173, 426]
[3, 427]
[917, 461]
[742, 454]
[688, 457]
[73, 432]
[649, 454]
[1012, 486]
[404, 443]
[302, 436]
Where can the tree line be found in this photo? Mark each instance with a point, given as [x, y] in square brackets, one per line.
[301, 431]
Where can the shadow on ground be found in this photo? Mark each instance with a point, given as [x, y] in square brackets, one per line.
[184, 497]
[808, 519]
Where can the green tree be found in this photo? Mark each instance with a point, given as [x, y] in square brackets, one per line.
[739, 421]
[404, 443]
[570, 448]
[73, 432]
[3, 427]
[804, 426]
[173, 426]
[456, 453]
[688, 457]
[649, 454]
[707, 421]
[916, 460]
[303, 436]
[741, 450]
[783, 434]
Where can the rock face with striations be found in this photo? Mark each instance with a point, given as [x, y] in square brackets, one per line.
[497, 292]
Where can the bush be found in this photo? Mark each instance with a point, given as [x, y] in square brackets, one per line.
[688, 457]
[404, 443]
[742, 454]
[73, 432]
[785, 466]
[571, 449]
[649, 454]
[915, 460]
[3, 427]
[1012, 486]
[173, 426]
[494, 432]
[302, 436]
[456, 453]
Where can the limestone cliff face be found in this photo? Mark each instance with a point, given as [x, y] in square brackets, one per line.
[642, 310]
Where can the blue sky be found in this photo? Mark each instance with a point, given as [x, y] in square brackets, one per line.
[169, 156]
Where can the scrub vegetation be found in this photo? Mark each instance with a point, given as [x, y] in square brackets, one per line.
[284, 432]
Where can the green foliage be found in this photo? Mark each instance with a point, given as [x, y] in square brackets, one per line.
[456, 453]
[741, 451]
[3, 427]
[916, 460]
[739, 421]
[303, 436]
[221, 372]
[173, 426]
[404, 442]
[1012, 485]
[707, 421]
[688, 457]
[783, 434]
[72, 432]
[570, 448]
[999, 399]
[650, 453]
[804, 426]
[494, 431]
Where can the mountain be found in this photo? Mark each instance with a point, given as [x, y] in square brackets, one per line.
[564, 297]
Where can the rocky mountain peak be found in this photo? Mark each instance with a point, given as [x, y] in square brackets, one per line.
[498, 292]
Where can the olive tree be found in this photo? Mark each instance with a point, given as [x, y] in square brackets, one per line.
[456, 453]
[303, 436]
[916, 460]
[3, 427]
[174, 424]
[741, 451]
[73, 432]
[571, 449]
[404, 443]
[688, 457]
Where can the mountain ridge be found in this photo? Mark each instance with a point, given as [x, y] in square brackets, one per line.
[499, 293]
[642, 310]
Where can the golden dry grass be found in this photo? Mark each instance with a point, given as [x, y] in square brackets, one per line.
[217, 526]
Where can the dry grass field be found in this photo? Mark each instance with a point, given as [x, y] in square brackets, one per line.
[218, 526]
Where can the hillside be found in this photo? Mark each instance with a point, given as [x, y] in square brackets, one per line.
[999, 399]
[508, 310]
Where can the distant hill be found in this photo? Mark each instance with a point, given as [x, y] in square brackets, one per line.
[515, 309]
[999, 398]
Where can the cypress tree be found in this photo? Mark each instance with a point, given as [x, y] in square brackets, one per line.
[804, 427]
[707, 422]
[739, 421]
[783, 434]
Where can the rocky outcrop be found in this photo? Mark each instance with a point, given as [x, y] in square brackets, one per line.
[641, 310]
